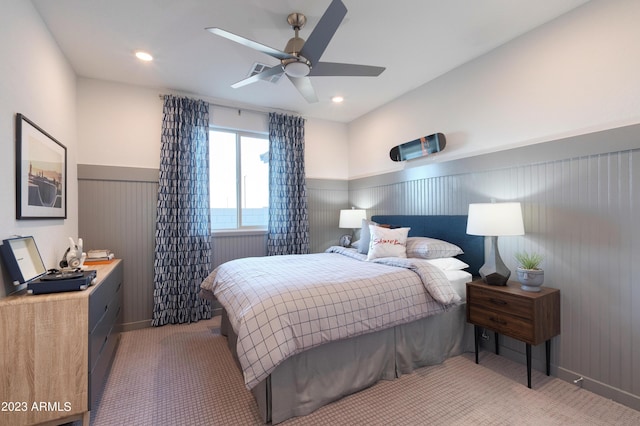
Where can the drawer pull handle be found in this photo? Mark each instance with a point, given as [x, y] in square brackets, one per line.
[497, 302]
[104, 342]
[497, 320]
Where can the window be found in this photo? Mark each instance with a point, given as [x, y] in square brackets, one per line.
[239, 179]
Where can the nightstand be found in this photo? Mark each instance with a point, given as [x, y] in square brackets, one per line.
[530, 317]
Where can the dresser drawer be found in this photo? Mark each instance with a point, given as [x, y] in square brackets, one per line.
[102, 330]
[509, 325]
[105, 313]
[501, 302]
[98, 374]
[102, 296]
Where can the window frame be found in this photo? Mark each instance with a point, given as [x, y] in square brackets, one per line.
[247, 229]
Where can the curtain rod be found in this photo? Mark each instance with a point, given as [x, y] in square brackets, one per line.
[215, 103]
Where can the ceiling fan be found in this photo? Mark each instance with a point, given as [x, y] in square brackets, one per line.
[301, 60]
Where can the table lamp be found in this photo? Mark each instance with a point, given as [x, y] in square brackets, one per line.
[494, 220]
[350, 219]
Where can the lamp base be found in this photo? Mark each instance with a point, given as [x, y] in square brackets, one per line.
[495, 278]
[345, 240]
[494, 271]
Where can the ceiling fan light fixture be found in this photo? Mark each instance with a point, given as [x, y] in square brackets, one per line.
[143, 56]
[300, 57]
[297, 69]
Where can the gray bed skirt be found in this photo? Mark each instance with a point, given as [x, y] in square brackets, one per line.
[311, 379]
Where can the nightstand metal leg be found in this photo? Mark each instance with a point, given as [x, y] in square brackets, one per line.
[528, 366]
[476, 335]
[547, 345]
[495, 336]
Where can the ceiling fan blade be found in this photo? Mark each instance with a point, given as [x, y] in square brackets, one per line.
[303, 84]
[328, 69]
[264, 75]
[250, 43]
[321, 35]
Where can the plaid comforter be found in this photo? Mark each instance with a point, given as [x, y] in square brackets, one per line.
[281, 305]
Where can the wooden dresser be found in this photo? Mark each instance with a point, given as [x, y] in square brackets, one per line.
[57, 349]
[527, 316]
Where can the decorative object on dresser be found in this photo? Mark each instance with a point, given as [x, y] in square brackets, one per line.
[494, 220]
[74, 257]
[99, 256]
[350, 218]
[58, 349]
[530, 275]
[530, 317]
[25, 266]
[22, 259]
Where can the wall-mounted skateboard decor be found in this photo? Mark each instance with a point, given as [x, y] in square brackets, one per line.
[419, 147]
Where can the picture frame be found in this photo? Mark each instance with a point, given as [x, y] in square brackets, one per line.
[41, 173]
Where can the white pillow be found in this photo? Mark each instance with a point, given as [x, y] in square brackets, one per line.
[431, 248]
[448, 263]
[365, 236]
[387, 242]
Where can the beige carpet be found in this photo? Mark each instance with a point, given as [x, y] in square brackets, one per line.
[184, 375]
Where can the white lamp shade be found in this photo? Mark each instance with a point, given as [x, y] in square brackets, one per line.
[495, 219]
[352, 218]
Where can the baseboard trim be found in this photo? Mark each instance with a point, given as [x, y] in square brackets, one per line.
[589, 384]
[131, 326]
[599, 388]
[138, 325]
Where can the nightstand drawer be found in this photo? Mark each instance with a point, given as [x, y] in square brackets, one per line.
[506, 303]
[509, 325]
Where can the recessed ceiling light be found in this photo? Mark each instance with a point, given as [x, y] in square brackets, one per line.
[337, 99]
[144, 56]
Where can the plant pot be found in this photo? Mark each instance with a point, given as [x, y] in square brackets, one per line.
[531, 279]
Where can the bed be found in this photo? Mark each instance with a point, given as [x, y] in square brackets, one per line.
[292, 373]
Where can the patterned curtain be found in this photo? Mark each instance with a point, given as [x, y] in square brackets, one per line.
[183, 246]
[288, 217]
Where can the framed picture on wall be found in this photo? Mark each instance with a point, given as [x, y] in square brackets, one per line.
[41, 173]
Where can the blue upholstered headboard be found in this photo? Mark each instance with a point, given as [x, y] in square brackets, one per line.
[448, 228]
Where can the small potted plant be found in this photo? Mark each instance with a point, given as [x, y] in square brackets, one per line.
[529, 273]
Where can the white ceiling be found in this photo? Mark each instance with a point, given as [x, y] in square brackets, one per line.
[416, 40]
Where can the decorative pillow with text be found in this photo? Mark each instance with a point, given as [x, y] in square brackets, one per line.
[386, 242]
